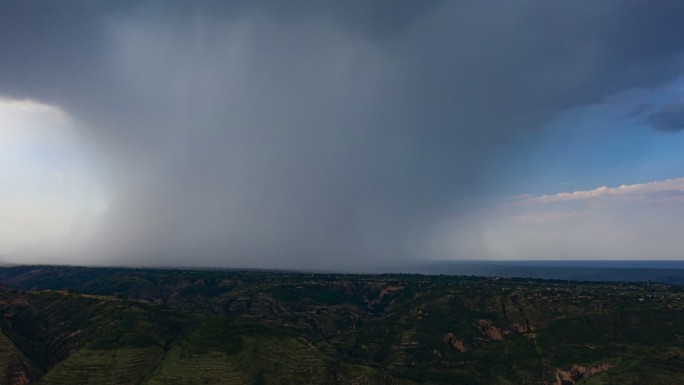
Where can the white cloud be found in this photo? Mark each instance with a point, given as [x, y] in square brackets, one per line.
[657, 191]
[15, 113]
[37, 108]
[48, 186]
[631, 221]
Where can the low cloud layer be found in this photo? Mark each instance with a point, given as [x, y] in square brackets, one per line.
[318, 133]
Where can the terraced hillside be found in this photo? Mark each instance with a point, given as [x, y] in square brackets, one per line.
[67, 325]
[127, 365]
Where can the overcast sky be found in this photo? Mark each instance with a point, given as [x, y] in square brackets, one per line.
[335, 134]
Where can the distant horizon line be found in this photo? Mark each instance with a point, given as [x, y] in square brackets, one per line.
[404, 263]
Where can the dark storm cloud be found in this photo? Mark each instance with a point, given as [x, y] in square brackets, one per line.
[315, 133]
[670, 118]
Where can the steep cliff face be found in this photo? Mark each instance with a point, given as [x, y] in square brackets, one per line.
[385, 290]
[487, 328]
[454, 342]
[577, 373]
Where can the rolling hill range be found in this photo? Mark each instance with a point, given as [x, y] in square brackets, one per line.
[77, 325]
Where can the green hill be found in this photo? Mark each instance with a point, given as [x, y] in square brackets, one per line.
[71, 325]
